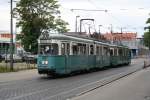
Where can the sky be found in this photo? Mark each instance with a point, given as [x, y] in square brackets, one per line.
[130, 15]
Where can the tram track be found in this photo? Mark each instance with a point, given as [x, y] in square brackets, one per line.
[93, 85]
[46, 88]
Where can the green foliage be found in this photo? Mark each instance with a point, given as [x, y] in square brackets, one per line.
[35, 18]
[61, 25]
[147, 34]
[147, 39]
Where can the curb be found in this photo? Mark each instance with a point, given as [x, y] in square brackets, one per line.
[105, 82]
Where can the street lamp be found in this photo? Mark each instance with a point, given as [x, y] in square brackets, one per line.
[76, 23]
[11, 32]
[100, 29]
[111, 28]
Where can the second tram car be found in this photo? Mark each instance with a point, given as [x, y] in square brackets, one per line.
[65, 54]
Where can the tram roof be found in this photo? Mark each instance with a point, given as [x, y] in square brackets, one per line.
[75, 37]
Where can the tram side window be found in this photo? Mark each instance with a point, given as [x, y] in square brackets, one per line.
[97, 50]
[120, 52]
[112, 52]
[91, 50]
[51, 49]
[68, 48]
[115, 52]
[87, 49]
[79, 49]
[65, 48]
[101, 50]
[123, 52]
[75, 49]
[105, 51]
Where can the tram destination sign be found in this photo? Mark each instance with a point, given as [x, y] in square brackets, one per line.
[45, 41]
[44, 35]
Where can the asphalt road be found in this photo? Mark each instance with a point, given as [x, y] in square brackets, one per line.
[31, 86]
[133, 87]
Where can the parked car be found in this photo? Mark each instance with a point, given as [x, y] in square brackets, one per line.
[30, 58]
[3, 56]
[16, 58]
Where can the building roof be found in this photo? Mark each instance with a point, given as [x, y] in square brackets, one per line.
[120, 36]
[5, 37]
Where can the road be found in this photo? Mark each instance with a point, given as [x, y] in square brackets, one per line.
[28, 85]
[133, 87]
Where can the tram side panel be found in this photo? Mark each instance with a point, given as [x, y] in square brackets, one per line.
[106, 61]
[77, 63]
[99, 62]
[120, 58]
[63, 64]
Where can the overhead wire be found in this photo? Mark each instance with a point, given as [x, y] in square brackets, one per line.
[108, 12]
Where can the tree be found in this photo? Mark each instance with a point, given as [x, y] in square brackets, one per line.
[147, 34]
[35, 18]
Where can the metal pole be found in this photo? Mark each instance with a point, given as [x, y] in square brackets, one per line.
[89, 29]
[15, 44]
[11, 31]
[100, 29]
[76, 23]
[111, 28]
[80, 25]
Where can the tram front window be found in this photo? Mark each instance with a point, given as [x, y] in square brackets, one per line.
[51, 49]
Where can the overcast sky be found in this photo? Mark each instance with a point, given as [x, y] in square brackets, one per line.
[129, 14]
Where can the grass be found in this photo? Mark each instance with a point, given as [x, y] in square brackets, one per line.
[17, 67]
[5, 69]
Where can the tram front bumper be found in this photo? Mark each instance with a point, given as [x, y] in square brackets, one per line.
[45, 70]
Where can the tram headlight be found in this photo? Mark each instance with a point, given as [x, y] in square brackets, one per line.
[45, 62]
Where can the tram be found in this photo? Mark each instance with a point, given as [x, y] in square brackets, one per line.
[67, 53]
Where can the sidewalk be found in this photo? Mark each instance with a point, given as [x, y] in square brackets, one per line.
[133, 87]
[20, 75]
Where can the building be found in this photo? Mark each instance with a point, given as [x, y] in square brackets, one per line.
[5, 43]
[128, 39]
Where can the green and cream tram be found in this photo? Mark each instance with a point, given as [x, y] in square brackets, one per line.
[66, 53]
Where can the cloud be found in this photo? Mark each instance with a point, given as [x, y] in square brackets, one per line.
[4, 18]
[121, 13]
